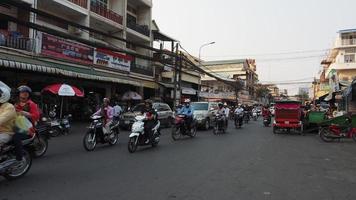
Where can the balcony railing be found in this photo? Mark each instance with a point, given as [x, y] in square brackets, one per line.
[105, 12]
[81, 3]
[346, 42]
[143, 29]
[17, 43]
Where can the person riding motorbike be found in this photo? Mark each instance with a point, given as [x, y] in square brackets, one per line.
[227, 113]
[7, 115]
[188, 111]
[117, 111]
[29, 109]
[266, 113]
[239, 111]
[221, 111]
[151, 119]
[108, 113]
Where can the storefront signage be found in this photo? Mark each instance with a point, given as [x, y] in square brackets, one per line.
[227, 95]
[113, 60]
[69, 50]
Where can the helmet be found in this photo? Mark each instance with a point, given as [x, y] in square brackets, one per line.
[107, 100]
[149, 101]
[24, 88]
[186, 100]
[220, 105]
[5, 94]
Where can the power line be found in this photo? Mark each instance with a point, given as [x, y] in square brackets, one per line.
[269, 54]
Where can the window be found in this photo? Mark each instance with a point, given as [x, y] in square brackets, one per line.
[350, 58]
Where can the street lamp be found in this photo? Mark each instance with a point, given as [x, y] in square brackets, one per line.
[201, 47]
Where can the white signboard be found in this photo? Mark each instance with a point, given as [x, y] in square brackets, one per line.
[113, 60]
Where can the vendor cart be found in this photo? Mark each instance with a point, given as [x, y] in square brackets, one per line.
[288, 116]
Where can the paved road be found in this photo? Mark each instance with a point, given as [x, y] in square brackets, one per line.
[250, 163]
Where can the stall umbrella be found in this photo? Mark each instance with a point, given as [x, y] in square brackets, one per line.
[63, 90]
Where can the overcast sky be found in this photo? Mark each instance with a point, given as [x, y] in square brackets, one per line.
[301, 30]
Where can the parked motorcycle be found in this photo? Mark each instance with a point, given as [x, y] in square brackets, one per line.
[181, 128]
[220, 124]
[9, 167]
[332, 132]
[267, 121]
[138, 137]
[59, 126]
[96, 134]
[238, 120]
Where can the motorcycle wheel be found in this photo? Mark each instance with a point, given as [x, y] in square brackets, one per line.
[323, 133]
[55, 132]
[215, 130]
[40, 145]
[193, 132]
[87, 143]
[176, 133]
[114, 139]
[13, 174]
[275, 130]
[207, 124]
[132, 146]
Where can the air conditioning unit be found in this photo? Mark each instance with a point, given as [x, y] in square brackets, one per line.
[74, 30]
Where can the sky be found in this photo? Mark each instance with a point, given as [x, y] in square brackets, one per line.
[288, 38]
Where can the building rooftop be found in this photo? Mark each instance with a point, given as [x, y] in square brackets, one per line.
[224, 62]
[347, 31]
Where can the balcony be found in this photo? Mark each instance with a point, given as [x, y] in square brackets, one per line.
[20, 43]
[81, 3]
[105, 12]
[140, 66]
[143, 29]
[348, 42]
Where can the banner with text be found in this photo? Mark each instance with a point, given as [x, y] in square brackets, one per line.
[113, 60]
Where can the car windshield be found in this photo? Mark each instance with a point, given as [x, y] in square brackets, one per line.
[200, 106]
[138, 108]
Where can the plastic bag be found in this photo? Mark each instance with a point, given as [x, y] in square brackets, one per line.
[23, 125]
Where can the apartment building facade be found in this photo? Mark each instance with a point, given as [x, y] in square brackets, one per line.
[36, 58]
[232, 70]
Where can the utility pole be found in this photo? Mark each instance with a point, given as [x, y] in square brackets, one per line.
[175, 78]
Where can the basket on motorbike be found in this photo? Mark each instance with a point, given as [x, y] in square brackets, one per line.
[288, 116]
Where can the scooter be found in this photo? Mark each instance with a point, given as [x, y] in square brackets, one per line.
[138, 137]
[267, 121]
[254, 115]
[96, 134]
[181, 128]
[59, 126]
[220, 124]
[246, 117]
[332, 132]
[238, 120]
[9, 167]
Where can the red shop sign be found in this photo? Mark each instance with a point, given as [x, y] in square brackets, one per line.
[61, 48]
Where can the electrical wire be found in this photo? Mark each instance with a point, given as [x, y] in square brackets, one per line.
[269, 54]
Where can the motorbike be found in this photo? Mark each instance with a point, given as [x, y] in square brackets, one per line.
[266, 121]
[59, 126]
[96, 134]
[39, 145]
[138, 136]
[246, 117]
[332, 132]
[220, 124]
[181, 128]
[9, 167]
[254, 115]
[238, 120]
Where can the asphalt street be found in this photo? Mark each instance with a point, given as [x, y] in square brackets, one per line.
[249, 163]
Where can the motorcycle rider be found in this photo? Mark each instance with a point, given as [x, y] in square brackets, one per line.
[7, 115]
[239, 111]
[221, 111]
[26, 107]
[227, 112]
[188, 111]
[108, 113]
[151, 119]
[266, 113]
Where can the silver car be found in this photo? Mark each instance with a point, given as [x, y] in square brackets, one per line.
[164, 114]
[204, 113]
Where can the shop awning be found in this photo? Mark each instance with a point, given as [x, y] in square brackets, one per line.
[32, 64]
[167, 85]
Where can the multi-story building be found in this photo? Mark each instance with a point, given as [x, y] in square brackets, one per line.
[339, 66]
[232, 70]
[32, 57]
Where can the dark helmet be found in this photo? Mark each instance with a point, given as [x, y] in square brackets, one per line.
[220, 105]
[24, 88]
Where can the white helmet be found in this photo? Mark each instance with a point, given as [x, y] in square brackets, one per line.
[5, 94]
[187, 101]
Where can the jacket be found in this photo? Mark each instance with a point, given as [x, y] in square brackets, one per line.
[188, 111]
[32, 108]
[7, 118]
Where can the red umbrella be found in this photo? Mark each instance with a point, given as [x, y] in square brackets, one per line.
[64, 90]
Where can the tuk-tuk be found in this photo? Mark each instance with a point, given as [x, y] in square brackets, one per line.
[288, 116]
